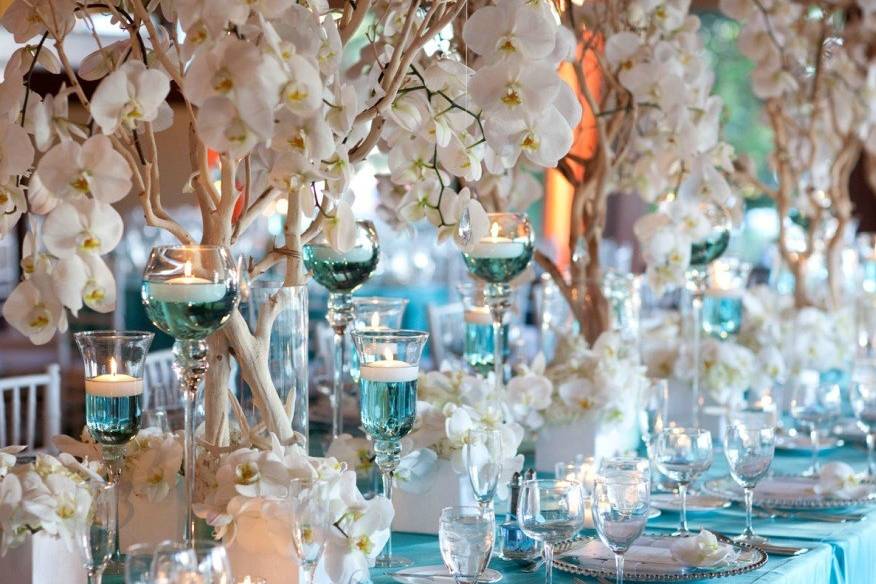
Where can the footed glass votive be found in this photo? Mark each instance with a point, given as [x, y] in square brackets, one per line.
[722, 302]
[375, 313]
[478, 340]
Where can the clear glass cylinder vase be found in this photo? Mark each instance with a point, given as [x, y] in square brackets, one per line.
[287, 350]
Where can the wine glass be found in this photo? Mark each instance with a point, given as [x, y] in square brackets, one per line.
[815, 406]
[621, 503]
[341, 273]
[173, 561]
[863, 400]
[389, 364]
[749, 451]
[213, 565]
[465, 537]
[95, 539]
[497, 259]
[483, 458]
[550, 511]
[703, 252]
[138, 563]
[189, 292]
[310, 524]
[682, 454]
[622, 465]
[114, 364]
[582, 470]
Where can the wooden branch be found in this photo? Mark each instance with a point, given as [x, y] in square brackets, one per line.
[253, 211]
[350, 27]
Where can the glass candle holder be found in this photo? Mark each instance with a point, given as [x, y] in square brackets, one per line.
[114, 363]
[375, 313]
[722, 302]
[496, 260]
[478, 341]
[389, 367]
[341, 273]
[703, 253]
[189, 292]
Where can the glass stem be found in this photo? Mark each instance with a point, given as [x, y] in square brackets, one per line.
[548, 562]
[190, 363]
[497, 297]
[338, 315]
[871, 446]
[682, 489]
[95, 576]
[387, 455]
[749, 503]
[814, 438]
[114, 457]
[697, 313]
[619, 568]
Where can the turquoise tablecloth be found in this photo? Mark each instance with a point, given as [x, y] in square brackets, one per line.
[842, 553]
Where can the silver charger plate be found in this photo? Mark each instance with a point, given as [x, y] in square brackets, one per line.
[801, 443]
[794, 500]
[750, 558]
[696, 503]
[438, 575]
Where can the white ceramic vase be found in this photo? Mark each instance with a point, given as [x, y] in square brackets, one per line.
[586, 437]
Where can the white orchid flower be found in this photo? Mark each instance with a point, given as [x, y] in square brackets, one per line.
[510, 28]
[542, 139]
[34, 310]
[838, 480]
[12, 205]
[302, 89]
[129, 95]
[155, 471]
[84, 226]
[12, 527]
[223, 128]
[356, 453]
[48, 120]
[104, 60]
[410, 161]
[22, 59]
[340, 227]
[16, 150]
[70, 170]
[409, 110]
[26, 19]
[311, 137]
[205, 19]
[416, 471]
[87, 279]
[8, 458]
[510, 89]
[462, 159]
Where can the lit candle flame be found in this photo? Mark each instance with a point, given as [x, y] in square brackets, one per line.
[375, 320]
[494, 230]
[187, 269]
[387, 353]
[113, 366]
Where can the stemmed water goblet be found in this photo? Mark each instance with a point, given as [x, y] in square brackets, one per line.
[551, 511]
[95, 538]
[341, 273]
[114, 363]
[815, 406]
[862, 396]
[484, 457]
[388, 371]
[749, 451]
[496, 260]
[189, 292]
[621, 503]
[622, 465]
[310, 524]
[174, 562]
[682, 454]
[466, 536]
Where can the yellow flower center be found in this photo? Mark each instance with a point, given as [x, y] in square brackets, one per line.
[89, 242]
[222, 81]
[39, 318]
[295, 94]
[155, 478]
[512, 96]
[80, 183]
[246, 474]
[94, 295]
[529, 142]
[4, 198]
[507, 45]
[363, 544]
[585, 403]
[297, 141]
[65, 511]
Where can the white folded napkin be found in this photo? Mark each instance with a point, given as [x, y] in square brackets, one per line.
[702, 551]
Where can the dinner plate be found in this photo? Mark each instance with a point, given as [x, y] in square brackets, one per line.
[802, 443]
[439, 575]
[790, 492]
[650, 560]
[696, 503]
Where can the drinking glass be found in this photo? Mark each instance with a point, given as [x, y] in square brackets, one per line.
[213, 565]
[550, 511]
[815, 406]
[621, 503]
[95, 539]
[466, 536]
[682, 454]
[138, 563]
[863, 399]
[483, 458]
[702, 253]
[341, 273]
[114, 364]
[389, 364]
[375, 313]
[583, 470]
[310, 524]
[189, 292]
[622, 465]
[497, 259]
[749, 451]
[174, 561]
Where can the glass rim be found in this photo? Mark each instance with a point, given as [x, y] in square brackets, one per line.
[113, 334]
[548, 482]
[193, 246]
[379, 300]
[399, 335]
[459, 509]
[676, 430]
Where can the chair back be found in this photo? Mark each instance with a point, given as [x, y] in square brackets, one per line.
[19, 398]
[446, 332]
[161, 388]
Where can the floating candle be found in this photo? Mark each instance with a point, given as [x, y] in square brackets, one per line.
[389, 371]
[113, 384]
[360, 253]
[187, 288]
[495, 247]
[478, 315]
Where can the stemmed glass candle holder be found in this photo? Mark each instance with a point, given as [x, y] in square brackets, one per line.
[497, 259]
[479, 344]
[341, 273]
[862, 396]
[114, 366]
[682, 454]
[388, 370]
[749, 451]
[375, 313]
[722, 304]
[815, 406]
[189, 292]
[703, 253]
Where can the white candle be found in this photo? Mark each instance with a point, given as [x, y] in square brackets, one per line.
[189, 289]
[114, 384]
[478, 315]
[389, 371]
[359, 253]
[495, 247]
